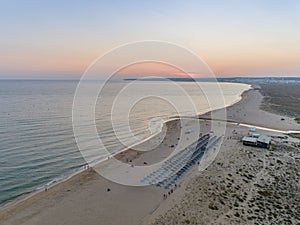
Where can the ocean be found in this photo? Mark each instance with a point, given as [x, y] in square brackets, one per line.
[37, 143]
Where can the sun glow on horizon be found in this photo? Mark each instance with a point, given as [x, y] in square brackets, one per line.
[249, 38]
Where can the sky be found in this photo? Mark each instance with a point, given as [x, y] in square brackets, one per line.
[60, 39]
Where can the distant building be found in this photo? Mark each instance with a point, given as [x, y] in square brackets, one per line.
[264, 141]
[249, 141]
[257, 140]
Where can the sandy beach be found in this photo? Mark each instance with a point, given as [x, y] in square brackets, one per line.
[244, 185]
[249, 111]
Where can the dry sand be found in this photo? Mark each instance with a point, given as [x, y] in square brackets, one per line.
[244, 185]
[241, 183]
[248, 111]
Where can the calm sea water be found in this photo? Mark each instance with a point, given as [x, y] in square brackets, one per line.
[37, 144]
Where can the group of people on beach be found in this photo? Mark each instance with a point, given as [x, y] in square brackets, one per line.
[165, 196]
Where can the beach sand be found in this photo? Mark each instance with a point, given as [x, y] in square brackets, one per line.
[248, 111]
[88, 198]
[244, 185]
[85, 199]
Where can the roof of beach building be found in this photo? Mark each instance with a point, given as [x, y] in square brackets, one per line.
[264, 139]
[249, 139]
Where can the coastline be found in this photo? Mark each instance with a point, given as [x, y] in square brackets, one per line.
[65, 177]
[252, 114]
[88, 173]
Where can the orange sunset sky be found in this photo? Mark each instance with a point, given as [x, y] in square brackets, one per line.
[60, 39]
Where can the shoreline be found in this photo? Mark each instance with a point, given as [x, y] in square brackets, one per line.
[66, 177]
[253, 115]
[82, 172]
[83, 168]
